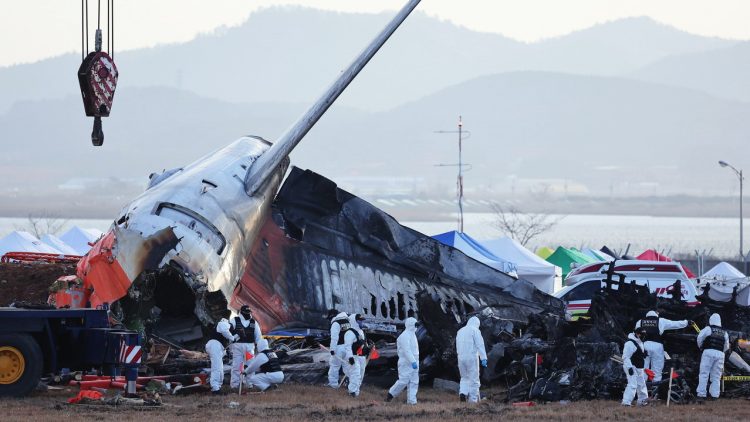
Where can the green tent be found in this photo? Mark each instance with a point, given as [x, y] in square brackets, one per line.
[563, 257]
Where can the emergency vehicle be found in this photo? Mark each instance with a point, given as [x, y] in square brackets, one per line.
[583, 282]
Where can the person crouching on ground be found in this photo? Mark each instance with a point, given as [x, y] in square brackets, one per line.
[633, 361]
[264, 370]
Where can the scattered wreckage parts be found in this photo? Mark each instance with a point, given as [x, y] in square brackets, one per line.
[539, 356]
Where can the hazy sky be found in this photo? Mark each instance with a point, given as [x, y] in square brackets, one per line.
[32, 30]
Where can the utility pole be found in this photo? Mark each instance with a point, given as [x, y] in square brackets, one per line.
[460, 165]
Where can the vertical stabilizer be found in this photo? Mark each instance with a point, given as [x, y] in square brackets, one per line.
[267, 163]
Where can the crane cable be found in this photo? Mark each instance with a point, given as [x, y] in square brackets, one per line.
[85, 27]
[97, 74]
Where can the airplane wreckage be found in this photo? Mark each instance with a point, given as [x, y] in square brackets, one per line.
[225, 231]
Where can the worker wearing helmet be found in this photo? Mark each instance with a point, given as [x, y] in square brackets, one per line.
[339, 326]
[714, 341]
[219, 338]
[347, 353]
[264, 369]
[655, 327]
[408, 364]
[247, 334]
[471, 352]
[362, 349]
[633, 361]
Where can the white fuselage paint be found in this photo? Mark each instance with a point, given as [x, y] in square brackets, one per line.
[206, 206]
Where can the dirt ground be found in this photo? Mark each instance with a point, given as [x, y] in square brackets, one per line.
[294, 402]
[29, 282]
[298, 403]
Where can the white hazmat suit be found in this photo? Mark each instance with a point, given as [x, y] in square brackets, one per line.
[408, 363]
[240, 348]
[257, 378]
[350, 364]
[216, 352]
[715, 342]
[335, 363]
[655, 349]
[470, 350]
[361, 359]
[636, 380]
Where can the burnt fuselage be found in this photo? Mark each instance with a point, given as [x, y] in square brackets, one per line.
[323, 248]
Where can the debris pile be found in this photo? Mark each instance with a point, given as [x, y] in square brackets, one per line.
[29, 282]
[540, 356]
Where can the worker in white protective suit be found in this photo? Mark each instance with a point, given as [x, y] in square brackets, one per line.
[655, 327]
[248, 334]
[408, 364]
[714, 341]
[346, 354]
[339, 325]
[471, 352]
[633, 361]
[216, 349]
[264, 369]
[361, 353]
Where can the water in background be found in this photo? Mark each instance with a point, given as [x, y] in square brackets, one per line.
[670, 235]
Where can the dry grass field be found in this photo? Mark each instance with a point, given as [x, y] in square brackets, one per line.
[317, 403]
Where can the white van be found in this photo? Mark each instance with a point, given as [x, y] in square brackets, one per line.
[584, 281]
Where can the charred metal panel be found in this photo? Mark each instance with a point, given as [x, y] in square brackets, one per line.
[324, 248]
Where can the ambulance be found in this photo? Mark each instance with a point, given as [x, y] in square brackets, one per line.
[583, 282]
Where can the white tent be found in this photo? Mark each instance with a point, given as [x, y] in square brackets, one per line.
[79, 239]
[724, 279]
[55, 242]
[722, 271]
[20, 241]
[545, 276]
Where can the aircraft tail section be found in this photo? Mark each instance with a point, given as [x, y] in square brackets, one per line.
[266, 164]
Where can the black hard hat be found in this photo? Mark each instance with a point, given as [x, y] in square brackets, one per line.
[332, 313]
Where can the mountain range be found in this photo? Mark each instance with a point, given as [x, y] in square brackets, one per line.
[625, 107]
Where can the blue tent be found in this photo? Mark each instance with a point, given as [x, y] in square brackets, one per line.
[473, 249]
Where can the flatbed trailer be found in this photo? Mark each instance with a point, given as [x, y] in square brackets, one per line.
[36, 342]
